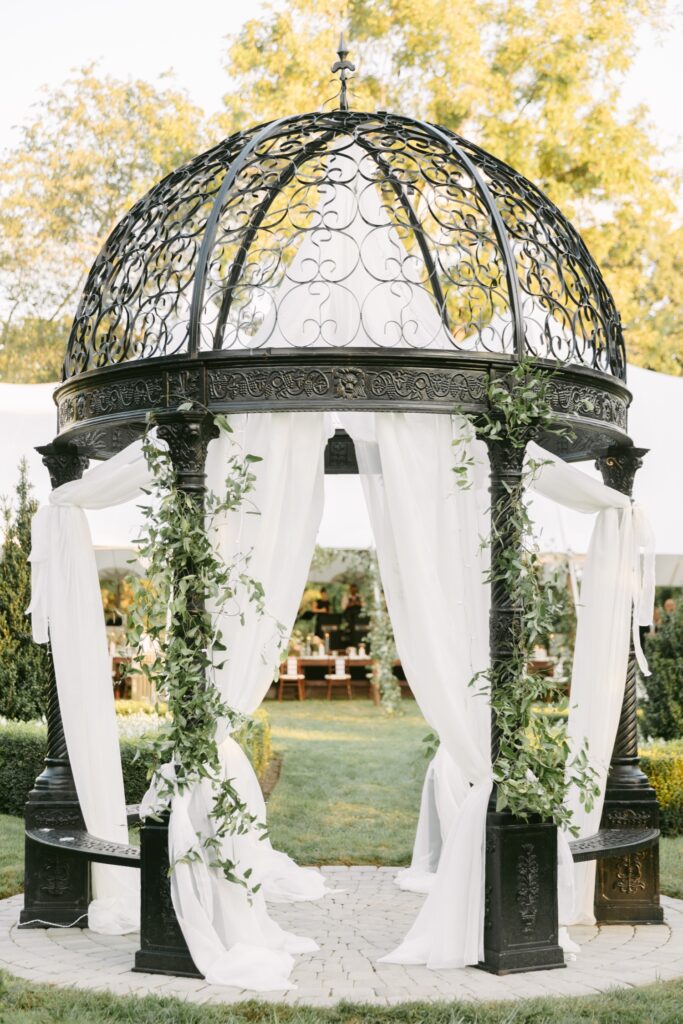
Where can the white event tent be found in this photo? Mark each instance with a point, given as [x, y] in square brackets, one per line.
[27, 419]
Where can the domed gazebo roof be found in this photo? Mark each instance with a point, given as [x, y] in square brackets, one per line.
[340, 259]
[210, 258]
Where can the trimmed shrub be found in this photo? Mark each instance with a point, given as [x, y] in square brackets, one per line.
[663, 765]
[124, 708]
[23, 747]
[22, 753]
[256, 738]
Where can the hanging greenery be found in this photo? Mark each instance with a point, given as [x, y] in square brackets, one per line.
[185, 578]
[535, 765]
[382, 643]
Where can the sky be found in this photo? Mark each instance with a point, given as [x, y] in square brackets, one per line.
[43, 40]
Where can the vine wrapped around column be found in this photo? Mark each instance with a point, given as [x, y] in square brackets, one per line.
[530, 752]
[185, 578]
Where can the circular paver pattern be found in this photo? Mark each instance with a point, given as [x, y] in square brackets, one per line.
[353, 927]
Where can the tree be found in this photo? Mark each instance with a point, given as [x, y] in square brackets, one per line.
[534, 82]
[663, 709]
[92, 148]
[23, 663]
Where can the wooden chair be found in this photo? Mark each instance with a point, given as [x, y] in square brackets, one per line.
[292, 674]
[340, 675]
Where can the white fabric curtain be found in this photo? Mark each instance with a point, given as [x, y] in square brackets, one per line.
[618, 582]
[617, 596]
[66, 608]
[233, 941]
[427, 532]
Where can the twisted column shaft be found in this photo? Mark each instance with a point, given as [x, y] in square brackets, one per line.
[64, 463]
[618, 468]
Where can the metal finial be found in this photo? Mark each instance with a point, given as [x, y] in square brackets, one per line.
[343, 66]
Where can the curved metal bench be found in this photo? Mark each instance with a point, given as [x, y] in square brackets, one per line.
[82, 843]
[608, 842]
[613, 842]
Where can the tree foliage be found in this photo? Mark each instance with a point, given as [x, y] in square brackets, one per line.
[663, 709]
[537, 84]
[23, 664]
[92, 147]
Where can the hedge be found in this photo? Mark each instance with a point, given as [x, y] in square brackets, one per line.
[663, 765]
[23, 748]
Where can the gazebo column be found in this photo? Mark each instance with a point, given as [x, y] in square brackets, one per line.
[521, 923]
[163, 949]
[56, 885]
[627, 888]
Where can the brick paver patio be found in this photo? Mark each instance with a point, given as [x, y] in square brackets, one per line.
[353, 928]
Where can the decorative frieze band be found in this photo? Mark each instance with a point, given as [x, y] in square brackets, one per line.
[328, 386]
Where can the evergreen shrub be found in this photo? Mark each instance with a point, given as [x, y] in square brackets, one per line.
[663, 709]
[23, 663]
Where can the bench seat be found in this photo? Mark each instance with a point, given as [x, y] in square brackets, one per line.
[613, 842]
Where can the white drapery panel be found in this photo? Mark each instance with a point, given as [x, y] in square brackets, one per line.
[427, 531]
[617, 590]
[618, 582]
[66, 607]
[233, 941]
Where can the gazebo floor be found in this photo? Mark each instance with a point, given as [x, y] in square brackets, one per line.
[353, 928]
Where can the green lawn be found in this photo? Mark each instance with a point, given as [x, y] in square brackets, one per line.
[24, 1003]
[350, 787]
[348, 793]
[11, 856]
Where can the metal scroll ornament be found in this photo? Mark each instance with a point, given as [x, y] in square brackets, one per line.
[224, 253]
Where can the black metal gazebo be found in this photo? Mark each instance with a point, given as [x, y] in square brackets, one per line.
[183, 304]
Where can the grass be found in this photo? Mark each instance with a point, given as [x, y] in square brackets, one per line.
[671, 868]
[25, 1003]
[349, 793]
[11, 855]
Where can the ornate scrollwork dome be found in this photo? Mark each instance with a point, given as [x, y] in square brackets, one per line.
[346, 230]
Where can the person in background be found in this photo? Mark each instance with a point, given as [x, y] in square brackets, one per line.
[322, 603]
[352, 601]
[669, 606]
[352, 605]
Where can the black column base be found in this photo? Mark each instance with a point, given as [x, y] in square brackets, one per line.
[627, 888]
[163, 949]
[56, 883]
[521, 924]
